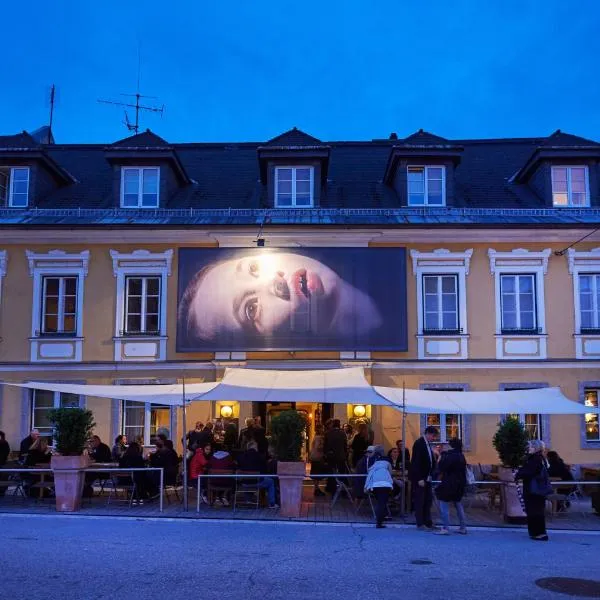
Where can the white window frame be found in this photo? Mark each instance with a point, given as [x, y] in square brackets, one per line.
[442, 262]
[140, 171]
[61, 305]
[569, 191]
[312, 185]
[141, 263]
[57, 404]
[426, 184]
[10, 186]
[539, 424]
[143, 304]
[442, 426]
[585, 389]
[440, 313]
[543, 420]
[147, 407]
[57, 263]
[516, 262]
[518, 277]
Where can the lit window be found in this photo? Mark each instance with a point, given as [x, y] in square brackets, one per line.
[139, 187]
[448, 425]
[518, 303]
[142, 305]
[294, 187]
[43, 401]
[440, 303]
[592, 425]
[426, 186]
[143, 421]
[589, 301]
[570, 186]
[14, 187]
[59, 305]
[532, 424]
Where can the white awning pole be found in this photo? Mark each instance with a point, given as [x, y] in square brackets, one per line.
[185, 471]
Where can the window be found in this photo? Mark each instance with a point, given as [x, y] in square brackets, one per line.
[518, 305]
[144, 420]
[570, 186]
[592, 425]
[14, 187]
[139, 187]
[532, 423]
[426, 186]
[42, 401]
[449, 426]
[59, 305]
[589, 301]
[142, 305]
[440, 303]
[294, 186]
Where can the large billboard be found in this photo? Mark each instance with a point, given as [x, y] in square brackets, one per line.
[236, 299]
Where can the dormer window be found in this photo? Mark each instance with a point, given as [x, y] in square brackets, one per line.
[570, 186]
[426, 186]
[140, 187]
[14, 187]
[294, 187]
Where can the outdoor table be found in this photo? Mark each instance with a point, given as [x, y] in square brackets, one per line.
[42, 469]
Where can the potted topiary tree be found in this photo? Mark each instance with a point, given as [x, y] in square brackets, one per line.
[288, 429]
[511, 441]
[72, 429]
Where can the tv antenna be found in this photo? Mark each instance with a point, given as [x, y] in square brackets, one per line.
[52, 101]
[135, 126]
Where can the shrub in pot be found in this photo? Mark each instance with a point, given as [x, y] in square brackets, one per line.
[287, 430]
[72, 429]
[510, 441]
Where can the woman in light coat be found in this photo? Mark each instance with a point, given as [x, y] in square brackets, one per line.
[379, 481]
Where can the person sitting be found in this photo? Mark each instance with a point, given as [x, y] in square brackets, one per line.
[558, 469]
[38, 453]
[100, 452]
[119, 448]
[252, 461]
[198, 467]
[222, 460]
[166, 459]
[133, 459]
[397, 464]
[26, 443]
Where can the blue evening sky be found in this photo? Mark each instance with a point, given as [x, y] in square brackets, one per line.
[247, 70]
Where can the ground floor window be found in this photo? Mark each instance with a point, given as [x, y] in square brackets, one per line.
[42, 401]
[140, 420]
[532, 423]
[592, 424]
[448, 425]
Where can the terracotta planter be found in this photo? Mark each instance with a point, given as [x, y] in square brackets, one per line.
[69, 478]
[511, 495]
[290, 488]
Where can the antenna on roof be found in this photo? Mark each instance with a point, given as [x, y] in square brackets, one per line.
[135, 126]
[52, 100]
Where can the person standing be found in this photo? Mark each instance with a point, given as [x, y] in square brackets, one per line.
[421, 471]
[379, 482]
[335, 448]
[193, 436]
[360, 443]
[536, 486]
[453, 473]
[4, 453]
[317, 458]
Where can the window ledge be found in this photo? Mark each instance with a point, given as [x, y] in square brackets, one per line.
[139, 336]
[443, 333]
[69, 337]
[521, 333]
[588, 332]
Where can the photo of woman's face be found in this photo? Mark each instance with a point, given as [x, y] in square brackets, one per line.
[263, 294]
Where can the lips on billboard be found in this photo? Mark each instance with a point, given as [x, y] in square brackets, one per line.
[240, 299]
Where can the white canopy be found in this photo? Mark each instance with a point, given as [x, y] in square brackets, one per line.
[336, 386]
[545, 401]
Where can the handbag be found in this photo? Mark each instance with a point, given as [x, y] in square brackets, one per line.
[540, 484]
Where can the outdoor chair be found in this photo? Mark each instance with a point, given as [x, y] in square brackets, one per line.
[125, 483]
[13, 480]
[247, 489]
[219, 485]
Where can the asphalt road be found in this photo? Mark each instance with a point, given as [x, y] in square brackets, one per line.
[92, 558]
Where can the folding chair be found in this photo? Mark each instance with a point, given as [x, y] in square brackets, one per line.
[124, 482]
[219, 485]
[247, 488]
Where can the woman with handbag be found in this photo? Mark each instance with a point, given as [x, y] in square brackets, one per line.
[536, 486]
[452, 467]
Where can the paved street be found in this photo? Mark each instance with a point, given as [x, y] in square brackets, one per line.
[91, 558]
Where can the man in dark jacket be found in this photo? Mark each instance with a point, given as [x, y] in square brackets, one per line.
[421, 471]
[251, 460]
[27, 443]
[100, 452]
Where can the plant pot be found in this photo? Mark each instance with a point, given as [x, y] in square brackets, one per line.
[290, 487]
[69, 477]
[512, 495]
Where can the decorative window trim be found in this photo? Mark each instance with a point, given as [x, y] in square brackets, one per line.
[57, 263]
[118, 404]
[581, 263]
[140, 168]
[312, 186]
[443, 262]
[467, 420]
[583, 385]
[516, 262]
[146, 264]
[587, 186]
[425, 189]
[544, 419]
[3, 264]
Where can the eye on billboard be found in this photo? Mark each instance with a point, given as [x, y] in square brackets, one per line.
[236, 299]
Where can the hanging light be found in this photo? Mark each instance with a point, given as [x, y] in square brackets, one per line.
[226, 411]
[360, 410]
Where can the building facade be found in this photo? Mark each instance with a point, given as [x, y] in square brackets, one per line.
[499, 286]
